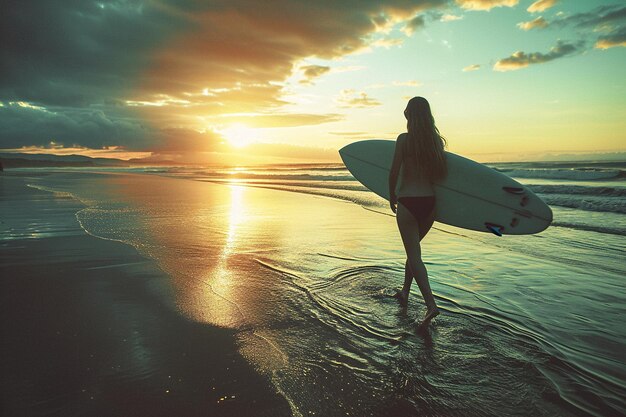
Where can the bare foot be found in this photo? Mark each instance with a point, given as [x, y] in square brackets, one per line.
[402, 297]
[430, 314]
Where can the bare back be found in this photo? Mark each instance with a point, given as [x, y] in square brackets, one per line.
[410, 182]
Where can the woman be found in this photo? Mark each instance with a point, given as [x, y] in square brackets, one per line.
[419, 160]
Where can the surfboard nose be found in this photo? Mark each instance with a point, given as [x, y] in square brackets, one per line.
[349, 147]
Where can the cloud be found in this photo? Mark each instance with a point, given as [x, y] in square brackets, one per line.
[450, 18]
[417, 23]
[521, 59]
[472, 67]
[387, 42]
[23, 124]
[351, 98]
[53, 148]
[539, 22]
[224, 54]
[603, 17]
[617, 38]
[313, 71]
[279, 119]
[485, 4]
[53, 128]
[77, 53]
[121, 72]
[184, 140]
[541, 5]
[609, 21]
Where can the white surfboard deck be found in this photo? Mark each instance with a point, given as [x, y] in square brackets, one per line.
[472, 196]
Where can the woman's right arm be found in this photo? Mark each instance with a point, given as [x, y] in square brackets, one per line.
[393, 174]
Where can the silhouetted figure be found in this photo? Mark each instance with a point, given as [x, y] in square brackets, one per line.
[419, 160]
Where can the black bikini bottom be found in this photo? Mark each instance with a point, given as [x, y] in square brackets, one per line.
[420, 207]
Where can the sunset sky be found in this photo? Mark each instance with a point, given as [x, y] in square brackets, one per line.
[275, 81]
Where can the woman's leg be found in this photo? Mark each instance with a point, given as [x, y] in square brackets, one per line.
[403, 294]
[424, 228]
[409, 231]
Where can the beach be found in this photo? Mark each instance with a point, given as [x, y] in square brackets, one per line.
[89, 327]
[185, 292]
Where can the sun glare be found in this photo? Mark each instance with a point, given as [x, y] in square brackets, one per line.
[239, 135]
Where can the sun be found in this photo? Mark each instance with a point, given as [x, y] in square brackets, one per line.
[239, 135]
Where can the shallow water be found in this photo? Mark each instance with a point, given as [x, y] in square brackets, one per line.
[531, 325]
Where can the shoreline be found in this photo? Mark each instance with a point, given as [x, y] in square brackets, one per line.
[87, 329]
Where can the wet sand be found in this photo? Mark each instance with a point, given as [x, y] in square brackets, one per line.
[87, 328]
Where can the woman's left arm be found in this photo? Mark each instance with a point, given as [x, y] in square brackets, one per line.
[393, 175]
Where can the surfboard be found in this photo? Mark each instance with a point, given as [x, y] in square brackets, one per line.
[472, 196]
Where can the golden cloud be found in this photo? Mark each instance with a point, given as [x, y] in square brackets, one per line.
[237, 57]
[609, 43]
[450, 18]
[539, 22]
[541, 5]
[612, 40]
[159, 75]
[472, 67]
[277, 120]
[485, 4]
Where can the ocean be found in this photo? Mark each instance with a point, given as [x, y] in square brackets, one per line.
[302, 262]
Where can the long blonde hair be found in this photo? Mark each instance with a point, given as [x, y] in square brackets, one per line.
[424, 140]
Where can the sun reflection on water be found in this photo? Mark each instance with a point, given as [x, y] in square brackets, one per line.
[236, 216]
[221, 281]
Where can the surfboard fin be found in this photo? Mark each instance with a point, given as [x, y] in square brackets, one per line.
[496, 229]
[514, 190]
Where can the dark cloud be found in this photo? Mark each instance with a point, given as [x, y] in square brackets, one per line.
[610, 20]
[613, 39]
[415, 24]
[597, 17]
[23, 125]
[121, 72]
[77, 59]
[606, 23]
[78, 52]
[522, 59]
